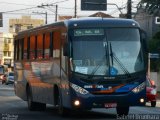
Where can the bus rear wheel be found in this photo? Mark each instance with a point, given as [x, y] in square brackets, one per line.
[32, 106]
[122, 110]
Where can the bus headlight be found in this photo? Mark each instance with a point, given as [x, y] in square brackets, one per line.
[139, 88]
[79, 89]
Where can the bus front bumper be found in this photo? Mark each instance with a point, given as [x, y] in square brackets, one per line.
[108, 101]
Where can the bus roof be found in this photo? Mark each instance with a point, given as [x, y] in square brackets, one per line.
[101, 22]
[86, 22]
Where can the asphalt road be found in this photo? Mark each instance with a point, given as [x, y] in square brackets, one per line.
[13, 108]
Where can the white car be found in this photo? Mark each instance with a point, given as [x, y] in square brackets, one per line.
[9, 78]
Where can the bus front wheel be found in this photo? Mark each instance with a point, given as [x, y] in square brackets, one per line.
[122, 110]
[62, 110]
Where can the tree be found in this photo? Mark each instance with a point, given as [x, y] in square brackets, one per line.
[154, 47]
[152, 6]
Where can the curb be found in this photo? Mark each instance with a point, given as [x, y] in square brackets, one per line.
[7, 89]
[158, 95]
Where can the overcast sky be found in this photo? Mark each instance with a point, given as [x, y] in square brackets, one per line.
[65, 7]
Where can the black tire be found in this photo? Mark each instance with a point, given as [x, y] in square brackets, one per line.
[3, 81]
[62, 110]
[122, 111]
[153, 103]
[40, 106]
[33, 106]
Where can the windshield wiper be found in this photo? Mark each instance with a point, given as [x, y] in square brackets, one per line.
[113, 56]
[95, 69]
[106, 45]
[109, 55]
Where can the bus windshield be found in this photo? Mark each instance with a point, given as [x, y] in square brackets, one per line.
[111, 51]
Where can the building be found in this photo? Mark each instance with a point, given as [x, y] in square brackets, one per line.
[147, 22]
[101, 14]
[26, 22]
[97, 14]
[7, 41]
[62, 18]
[7, 48]
[1, 47]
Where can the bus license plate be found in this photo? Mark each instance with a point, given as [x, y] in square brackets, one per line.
[110, 105]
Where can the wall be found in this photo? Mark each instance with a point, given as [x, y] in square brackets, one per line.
[1, 47]
[155, 76]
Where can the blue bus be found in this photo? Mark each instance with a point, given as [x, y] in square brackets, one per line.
[80, 64]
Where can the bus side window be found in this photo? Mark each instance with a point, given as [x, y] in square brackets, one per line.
[46, 45]
[17, 56]
[15, 49]
[56, 44]
[40, 46]
[21, 48]
[32, 47]
[25, 48]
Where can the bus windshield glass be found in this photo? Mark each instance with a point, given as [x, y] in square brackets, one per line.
[111, 51]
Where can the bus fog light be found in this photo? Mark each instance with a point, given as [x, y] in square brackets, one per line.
[76, 102]
[142, 100]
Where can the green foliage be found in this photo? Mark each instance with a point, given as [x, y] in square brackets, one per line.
[152, 6]
[154, 47]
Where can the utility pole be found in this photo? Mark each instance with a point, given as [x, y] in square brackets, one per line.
[75, 11]
[129, 9]
[48, 5]
[56, 14]
[46, 17]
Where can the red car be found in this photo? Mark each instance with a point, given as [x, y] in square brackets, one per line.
[151, 92]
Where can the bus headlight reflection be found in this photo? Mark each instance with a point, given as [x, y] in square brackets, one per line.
[79, 89]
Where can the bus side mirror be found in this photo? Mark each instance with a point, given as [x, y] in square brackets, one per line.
[153, 84]
[144, 40]
[66, 49]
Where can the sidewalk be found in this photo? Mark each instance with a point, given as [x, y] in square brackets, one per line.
[158, 96]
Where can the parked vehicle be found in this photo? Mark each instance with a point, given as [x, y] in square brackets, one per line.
[1, 71]
[151, 92]
[4, 78]
[9, 78]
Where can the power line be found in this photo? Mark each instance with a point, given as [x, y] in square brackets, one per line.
[45, 13]
[14, 3]
[18, 10]
[60, 2]
[56, 11]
